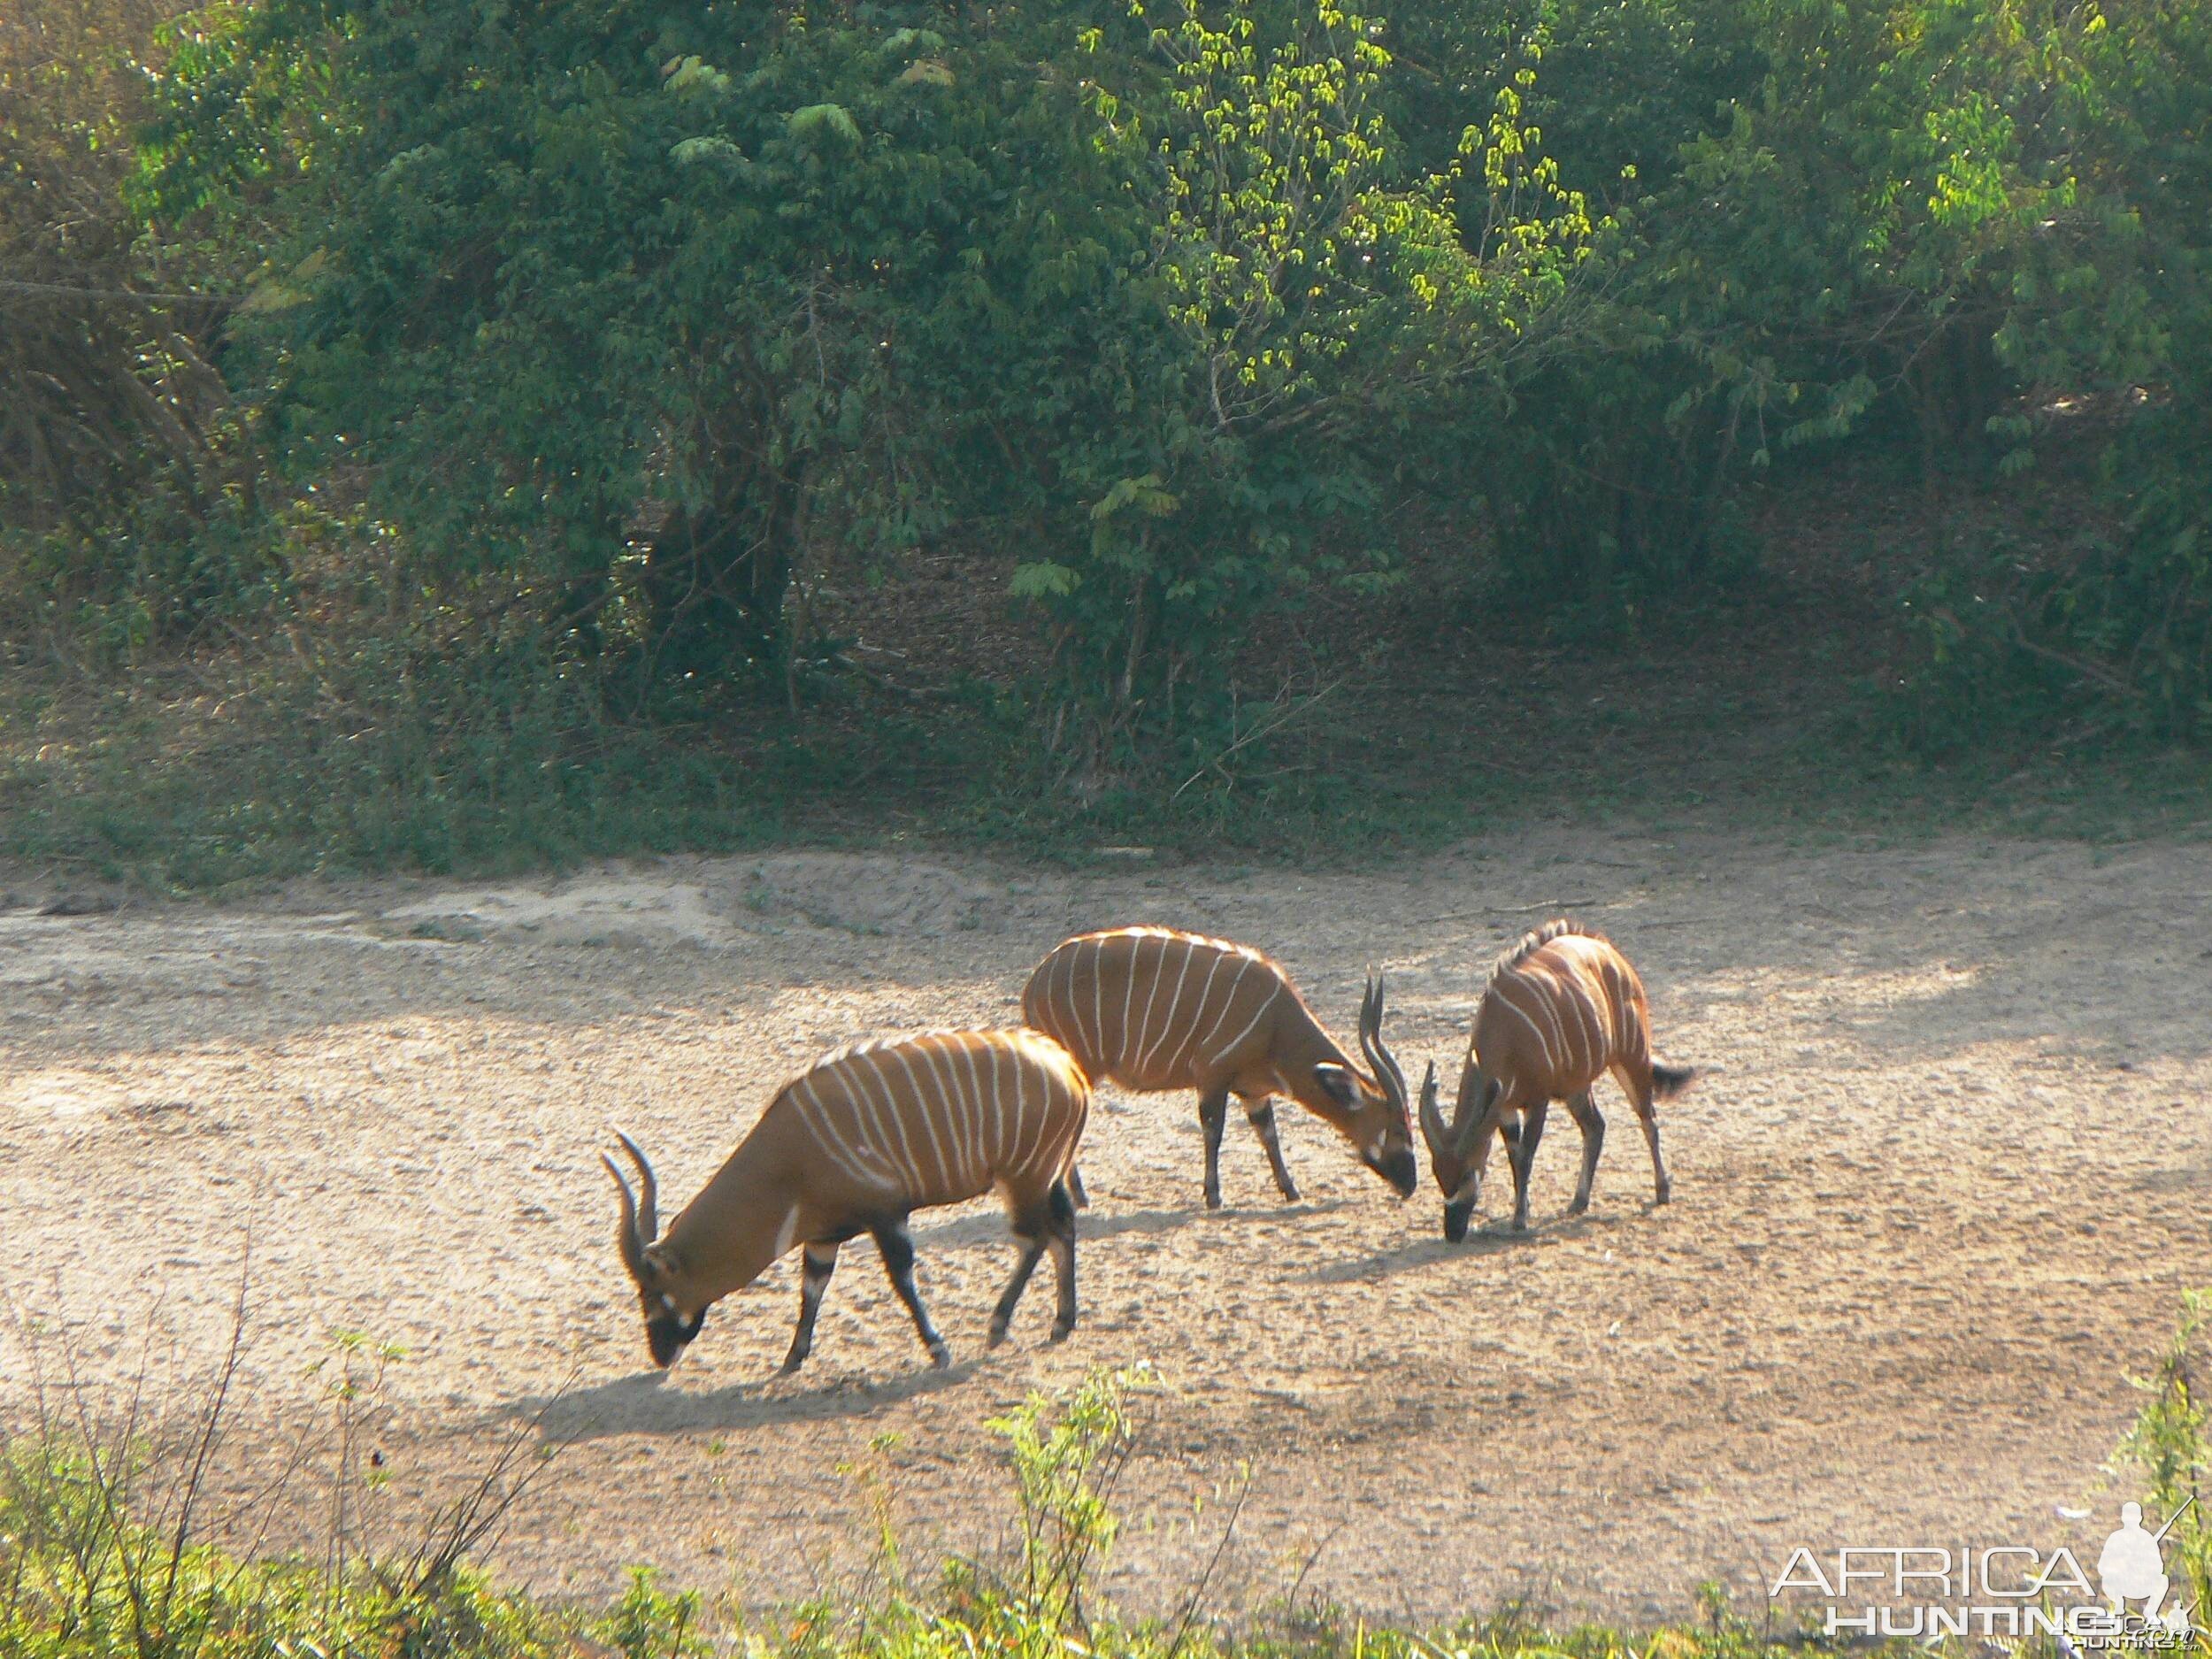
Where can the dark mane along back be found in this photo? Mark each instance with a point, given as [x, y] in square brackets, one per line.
[1537, 938]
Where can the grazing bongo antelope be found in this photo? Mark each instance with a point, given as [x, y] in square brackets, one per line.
[854, 1143]
[1152, 1010]
[1561, 1010]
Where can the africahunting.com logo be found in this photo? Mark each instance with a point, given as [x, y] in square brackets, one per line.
[2006, 1590]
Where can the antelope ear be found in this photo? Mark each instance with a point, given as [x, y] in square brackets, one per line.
[1336, 1082]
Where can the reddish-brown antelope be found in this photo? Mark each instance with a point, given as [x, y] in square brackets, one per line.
[853, 1144]
[1561, 1010]
[1154, 1009]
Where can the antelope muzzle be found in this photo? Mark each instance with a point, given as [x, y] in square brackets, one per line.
[667, 1333]
[1457, 1213]
[1396, 1165]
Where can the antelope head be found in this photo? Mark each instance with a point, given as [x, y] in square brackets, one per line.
[1375, 1105]
[668, 1328]
[1457, 1150]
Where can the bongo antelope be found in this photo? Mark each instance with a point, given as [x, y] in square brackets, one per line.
[854, 1143]
[1563, 1008]
[1155, 1010]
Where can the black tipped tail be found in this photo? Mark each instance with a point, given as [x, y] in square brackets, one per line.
[1667, 1081]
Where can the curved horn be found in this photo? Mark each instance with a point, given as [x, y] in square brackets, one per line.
[1465, 1130]
[625, 1233]
[1379, 1059]
[1432, 1129]
[648, 1224]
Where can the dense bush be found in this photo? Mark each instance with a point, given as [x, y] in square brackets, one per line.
[595, 340]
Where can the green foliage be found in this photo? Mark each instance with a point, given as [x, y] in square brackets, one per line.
[732, 302]
[1066, 1453]
[84, 1575]
[92, 1564]
[2169, 1445]
[571, 352]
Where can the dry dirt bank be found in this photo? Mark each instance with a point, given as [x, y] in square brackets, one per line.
[1949, 1168]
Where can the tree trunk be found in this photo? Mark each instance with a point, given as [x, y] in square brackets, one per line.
[715, 575]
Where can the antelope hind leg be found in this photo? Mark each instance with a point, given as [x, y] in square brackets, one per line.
[1662, 1188]
[1031, 1226]
[1593, 1124]
[1063, 1246]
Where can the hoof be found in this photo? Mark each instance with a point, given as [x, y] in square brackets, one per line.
[1060, 1332]
[1290, 1194]
[997, 1336]
[940, 1355]
[1213, 1200]
[791, 1365]
[1581, 1207]
[1665, 1194]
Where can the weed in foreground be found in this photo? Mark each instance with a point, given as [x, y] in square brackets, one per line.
[104, 1553]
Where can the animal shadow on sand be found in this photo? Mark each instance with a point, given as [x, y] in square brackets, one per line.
[989, 1227]
[1493, 1238]
[641, 1403]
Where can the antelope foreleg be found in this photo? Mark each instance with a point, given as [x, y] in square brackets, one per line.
[1213, 1116]
[821, 1261]
[1521, 1155]
[897, 1246]
[1662, 1188]
[1261, 1115]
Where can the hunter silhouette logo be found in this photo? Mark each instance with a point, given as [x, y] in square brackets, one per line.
[2006, 1590]
[2132, 1568]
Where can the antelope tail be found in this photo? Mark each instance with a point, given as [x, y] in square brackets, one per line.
[1667, 1081]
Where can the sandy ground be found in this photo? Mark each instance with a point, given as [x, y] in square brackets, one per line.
[1937, 1195]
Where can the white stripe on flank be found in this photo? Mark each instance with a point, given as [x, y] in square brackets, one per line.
[1012, 1145]
[925, 1109]
[1559, 1006]
[997, 1148]
[1229, 1002]
[1498, 990]
[1546, 1004]
[1175, 1001]
[1128, 999]
[1048, 1138]
[875, 1133]
[1077, 954]
[825, 1132]
[910, 1165]
[978, 1159]
[947, 1113]
[1252, 1025]
[1098, 1008]
[1600, 1003]
[951, 1059]
[1189, 1022]
[1132, 1041]
[1587, 1027]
